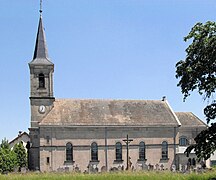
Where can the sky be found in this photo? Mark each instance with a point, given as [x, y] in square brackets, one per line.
[103, 49]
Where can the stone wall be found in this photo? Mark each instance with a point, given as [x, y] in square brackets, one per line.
[53, 146]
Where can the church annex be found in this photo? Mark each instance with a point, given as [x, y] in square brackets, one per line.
[90, 134]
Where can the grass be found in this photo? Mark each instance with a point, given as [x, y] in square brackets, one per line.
[111, 176]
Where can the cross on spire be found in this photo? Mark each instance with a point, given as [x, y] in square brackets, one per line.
[40, 7]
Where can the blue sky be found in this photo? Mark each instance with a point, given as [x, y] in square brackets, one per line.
[106, 49]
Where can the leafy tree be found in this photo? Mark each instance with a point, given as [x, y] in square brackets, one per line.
[198, 72]
[21, 155]
[4, 144]
[7, 157]
[12, 158]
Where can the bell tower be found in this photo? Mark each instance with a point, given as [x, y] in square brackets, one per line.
[41, 79]
[41, 95]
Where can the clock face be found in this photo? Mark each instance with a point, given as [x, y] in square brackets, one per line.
[42, 109]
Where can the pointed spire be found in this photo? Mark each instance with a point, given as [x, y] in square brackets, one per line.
[40, 53]
[40, 46]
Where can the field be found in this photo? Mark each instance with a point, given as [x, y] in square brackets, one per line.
[111, 176]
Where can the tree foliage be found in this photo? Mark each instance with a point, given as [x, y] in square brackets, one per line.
[12, 158]
[198, 72]
[21, 155]
[7, 157]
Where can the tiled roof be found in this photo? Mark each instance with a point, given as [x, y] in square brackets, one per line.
[95, 112]
[189, 119]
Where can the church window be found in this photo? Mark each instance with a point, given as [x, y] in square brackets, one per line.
[183, 141]
[94, 151]
[164, 150]
[41, 80]
[118, 151]
[69, 152]
[142, 151]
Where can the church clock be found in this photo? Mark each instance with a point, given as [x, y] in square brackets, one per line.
[42, 109]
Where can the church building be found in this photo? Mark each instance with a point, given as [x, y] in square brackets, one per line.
[88, 135]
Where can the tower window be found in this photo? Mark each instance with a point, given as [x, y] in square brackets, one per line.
[94, 151]
[41, 80]
[47, 139]
[48, 160]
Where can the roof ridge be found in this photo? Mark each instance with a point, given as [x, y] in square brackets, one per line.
[101, 99]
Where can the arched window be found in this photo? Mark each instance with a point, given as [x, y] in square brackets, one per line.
[69, 152]
[164, 150]
[94, 151]
[183, 141]
[142, 151]
[41, 80]
[118, 151]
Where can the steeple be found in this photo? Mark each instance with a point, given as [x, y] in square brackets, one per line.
[41, 68]
[41, 91]
[40, 47]
[40, 53]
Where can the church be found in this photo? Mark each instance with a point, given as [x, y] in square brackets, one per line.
[90, 135]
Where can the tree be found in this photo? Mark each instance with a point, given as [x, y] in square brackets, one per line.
[198, 72]
[7, 157]
[21, 155]
[4, 144]
[12, 158]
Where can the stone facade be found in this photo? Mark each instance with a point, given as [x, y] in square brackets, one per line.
[89, 134]
[82, 138]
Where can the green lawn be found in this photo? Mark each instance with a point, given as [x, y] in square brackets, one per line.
[111, 176]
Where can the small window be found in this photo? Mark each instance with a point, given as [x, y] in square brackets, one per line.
[118, 151]
[183, 141]
[142, 151]
[41, 80]
[94, 151]
[164, 150]
[47, 139]
[69, 152]
[48, 160]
